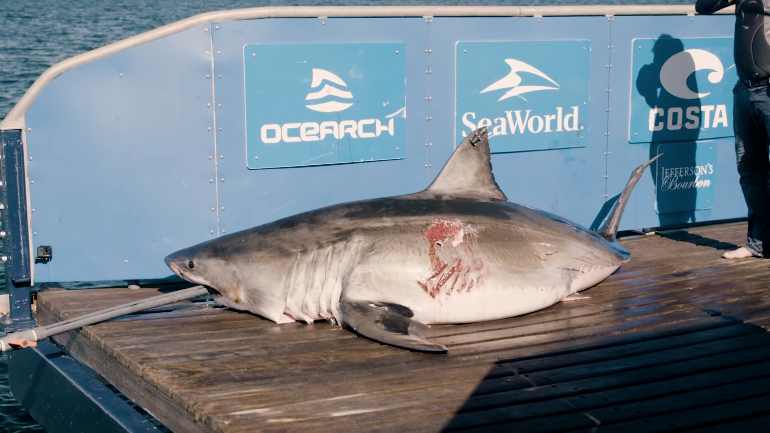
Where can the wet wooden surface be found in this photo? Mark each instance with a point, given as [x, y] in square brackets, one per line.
[676, 340]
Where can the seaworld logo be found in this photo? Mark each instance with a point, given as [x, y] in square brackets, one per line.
[673, 78]
[294, 132]
[522, 121]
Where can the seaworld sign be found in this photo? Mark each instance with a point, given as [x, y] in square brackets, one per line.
[527, 100]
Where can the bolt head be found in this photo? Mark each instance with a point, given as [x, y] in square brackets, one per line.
[3, 259]
[223, 231]
[223, 208]
[212, 209]
[223, 179]
[126, 261]
[30, 158]
[211, 180]
[32, 182]
[33, 210]
[2, 234]
[256, 157]
[212, 232]
[34, 233]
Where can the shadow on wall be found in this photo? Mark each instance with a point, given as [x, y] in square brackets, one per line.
[648, 84]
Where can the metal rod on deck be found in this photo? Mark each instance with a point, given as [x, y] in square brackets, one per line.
[22, 339]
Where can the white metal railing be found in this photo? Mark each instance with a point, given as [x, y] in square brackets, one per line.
[15, 119]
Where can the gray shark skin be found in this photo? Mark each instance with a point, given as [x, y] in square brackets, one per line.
[456, 252]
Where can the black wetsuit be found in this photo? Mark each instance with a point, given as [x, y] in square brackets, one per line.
[751, 112]
[752, 34]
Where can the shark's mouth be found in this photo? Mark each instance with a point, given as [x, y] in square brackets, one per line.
[175, 269]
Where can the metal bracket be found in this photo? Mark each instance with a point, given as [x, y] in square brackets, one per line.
[18, 272]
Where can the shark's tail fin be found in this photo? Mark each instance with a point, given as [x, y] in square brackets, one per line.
[610, 226]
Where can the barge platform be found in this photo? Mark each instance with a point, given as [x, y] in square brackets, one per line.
[675, 340]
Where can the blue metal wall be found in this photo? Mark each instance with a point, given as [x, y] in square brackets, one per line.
[144, 152]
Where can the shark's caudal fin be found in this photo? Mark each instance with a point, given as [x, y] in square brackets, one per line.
[468, 173]
[610, 226]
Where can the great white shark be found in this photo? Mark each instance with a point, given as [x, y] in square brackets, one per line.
[456, 252]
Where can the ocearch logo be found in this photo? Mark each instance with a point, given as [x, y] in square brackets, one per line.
[513, 120]
[295, 132]
[319, 75]
[673, 77]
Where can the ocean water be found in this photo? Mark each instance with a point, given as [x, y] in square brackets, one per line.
[35, 35]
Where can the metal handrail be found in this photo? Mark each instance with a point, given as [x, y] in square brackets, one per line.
[15, 119]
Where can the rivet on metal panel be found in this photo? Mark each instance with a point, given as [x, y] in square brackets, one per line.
[430, 118]
[323, 23]
[219, 52]
[212, 209]
[211, 180]
[220, 75]
[4, 259]
[1, 183]
[207, 75]
[606, 195]
[465, 51]
[221, 157]
[429, 50]
[217, 27]
[207, 52]
[30, 158]
[208, 105]
[711, 148]
[640, 47]
[253, 54]
[209, 128]
[2, 206]
[430, 165]
[29, 129]
[120, 75]
[32, 182]
[396, 51]
[538, 20]
[220, 128]
[708, 201]
[256, 157]
[223, 208]
[636, 133]
[209, 156]
[2, 234]
[584, 48]
[212, 232]
[397, 149]
[609, 90]
[581, 138]
[223, 179]
[220, 105]
[426, 165]
[32, 209]
[126, 261]
[223, 231]
[205, 30]
[34, 233]
[426, 50]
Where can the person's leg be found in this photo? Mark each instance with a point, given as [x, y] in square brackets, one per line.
[751, 116]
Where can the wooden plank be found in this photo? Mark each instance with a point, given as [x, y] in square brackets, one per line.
[145, 395]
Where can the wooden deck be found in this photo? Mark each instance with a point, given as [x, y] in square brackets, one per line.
[676, 340]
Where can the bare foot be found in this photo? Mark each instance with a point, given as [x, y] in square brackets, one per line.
[740, 253]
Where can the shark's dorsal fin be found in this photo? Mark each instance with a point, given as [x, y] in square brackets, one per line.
[468, 173]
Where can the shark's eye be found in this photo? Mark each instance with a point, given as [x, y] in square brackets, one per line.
[190, 264]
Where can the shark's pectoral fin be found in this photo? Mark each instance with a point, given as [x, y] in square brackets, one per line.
[387, 323]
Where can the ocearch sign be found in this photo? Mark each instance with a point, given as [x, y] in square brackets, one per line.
[681, 89]
[320, 104]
